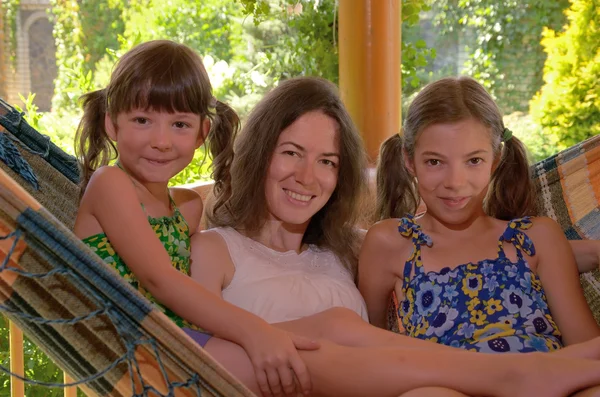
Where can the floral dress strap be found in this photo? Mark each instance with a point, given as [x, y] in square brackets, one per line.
[514, 234]
[410, 229]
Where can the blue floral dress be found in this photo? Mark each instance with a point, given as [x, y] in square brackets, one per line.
[490, 306]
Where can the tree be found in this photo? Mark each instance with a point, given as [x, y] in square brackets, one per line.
[504, 48]
[568, 105]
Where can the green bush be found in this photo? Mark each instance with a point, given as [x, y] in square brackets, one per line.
[568, 105]
[539, 145]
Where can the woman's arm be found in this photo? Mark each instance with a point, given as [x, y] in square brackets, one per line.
[560, 279]
[380, 254]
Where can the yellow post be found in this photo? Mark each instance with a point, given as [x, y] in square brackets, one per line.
[17, 387]
[370, 77]
[69, 391]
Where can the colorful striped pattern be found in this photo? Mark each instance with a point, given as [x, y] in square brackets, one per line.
[568, 187]
[141, 348]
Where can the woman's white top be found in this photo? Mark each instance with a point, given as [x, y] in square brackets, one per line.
[284, 286]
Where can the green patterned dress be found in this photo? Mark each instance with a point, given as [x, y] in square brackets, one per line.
[174, 234]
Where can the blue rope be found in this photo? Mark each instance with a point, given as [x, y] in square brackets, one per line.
[17, 234]
[13, 159]
[122, 324]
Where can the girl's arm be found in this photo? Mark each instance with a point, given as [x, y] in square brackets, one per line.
[587, 254]
[113, 202]
[379, 255]
[560, 279]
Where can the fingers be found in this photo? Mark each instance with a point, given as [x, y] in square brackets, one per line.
[274, 383]
[286, 376]
[303, 343]
[263, 383]
[301, 373]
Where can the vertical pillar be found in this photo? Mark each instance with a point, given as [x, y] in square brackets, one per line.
[370, 76]
[3, 57]
[17, 362]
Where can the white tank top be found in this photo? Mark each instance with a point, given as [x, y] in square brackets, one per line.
[284, 286]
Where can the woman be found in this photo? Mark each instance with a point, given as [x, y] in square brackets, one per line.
[283, 246]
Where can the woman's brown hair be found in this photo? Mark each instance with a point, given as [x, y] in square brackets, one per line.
[241, 203]
[451, 100]
[160, 75]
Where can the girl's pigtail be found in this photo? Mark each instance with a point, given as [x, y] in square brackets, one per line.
[396, 190]
[512, 194]
[93, 147]
[224, 129]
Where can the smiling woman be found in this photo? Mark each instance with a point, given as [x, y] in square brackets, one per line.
[303, 170]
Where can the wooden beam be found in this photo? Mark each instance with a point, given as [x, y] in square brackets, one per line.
[370, 77]
[17, 364]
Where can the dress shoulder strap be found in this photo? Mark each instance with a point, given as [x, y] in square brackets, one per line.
[411, 229]
[514, 233]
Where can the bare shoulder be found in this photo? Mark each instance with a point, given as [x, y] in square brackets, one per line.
[190, 204]
[107, 180]
[384, 235]
[103, 185]
[209, 242]
[545, 229]
[383, 242]
[209, 253]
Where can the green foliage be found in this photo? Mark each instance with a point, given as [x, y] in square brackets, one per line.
[198, 170]
[11, 10]
[83, 32]
[101, 23]
[415, 53]
[568, 105]
[209, 26]
[37, 366]
[506, 55]
[31, 110]
[69, 53]
[539, 145]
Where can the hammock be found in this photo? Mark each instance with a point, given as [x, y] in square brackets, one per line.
[80, 312]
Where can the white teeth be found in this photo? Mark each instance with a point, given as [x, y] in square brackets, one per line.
[296, 196]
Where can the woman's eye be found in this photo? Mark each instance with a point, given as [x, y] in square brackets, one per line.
[329, 163]
[290, 153]
[476, 160]
[433, 162]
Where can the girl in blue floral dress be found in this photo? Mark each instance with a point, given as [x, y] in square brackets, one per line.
[473, 271]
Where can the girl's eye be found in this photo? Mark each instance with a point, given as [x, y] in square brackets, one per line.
[141, 120]
[181, 124]
[433, 162]
[475, 161]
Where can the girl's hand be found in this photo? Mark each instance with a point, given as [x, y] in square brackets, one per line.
[279, 369]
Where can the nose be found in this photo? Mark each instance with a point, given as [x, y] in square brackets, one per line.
[456, 177]
[305, 172]
[161, 138]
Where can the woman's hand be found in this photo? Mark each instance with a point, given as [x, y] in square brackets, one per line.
[274, 354]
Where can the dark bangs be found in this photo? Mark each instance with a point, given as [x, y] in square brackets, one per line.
[172, 80]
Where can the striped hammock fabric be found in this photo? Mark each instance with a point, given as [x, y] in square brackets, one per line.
[88, 320]
[568, 187]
